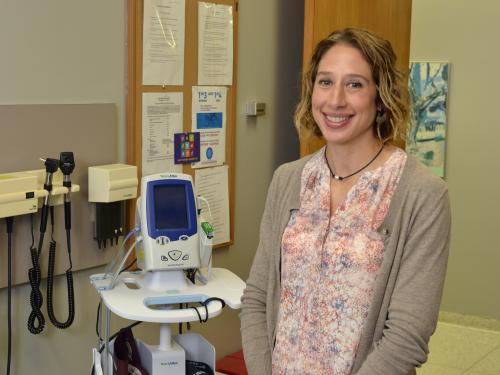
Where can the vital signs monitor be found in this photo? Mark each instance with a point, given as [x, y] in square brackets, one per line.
[167, 215]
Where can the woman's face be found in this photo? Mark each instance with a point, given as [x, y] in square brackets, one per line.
[344, 97]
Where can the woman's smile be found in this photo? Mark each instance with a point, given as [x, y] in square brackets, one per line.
[344, 98]
[336, 120]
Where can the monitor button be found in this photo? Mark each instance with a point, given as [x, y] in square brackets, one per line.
[162, 240]
[174, 255]
[184, 237]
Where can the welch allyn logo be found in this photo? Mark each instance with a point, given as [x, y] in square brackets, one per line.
[170, 363]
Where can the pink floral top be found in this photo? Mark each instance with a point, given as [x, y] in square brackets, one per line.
[329, 266]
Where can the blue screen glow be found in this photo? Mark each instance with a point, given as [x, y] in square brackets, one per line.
[171, 211]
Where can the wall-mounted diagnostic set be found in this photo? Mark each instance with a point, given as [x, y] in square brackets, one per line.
[24, 193]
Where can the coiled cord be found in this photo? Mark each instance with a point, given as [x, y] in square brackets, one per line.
[36, 320]
[50, 288]
[50, 281]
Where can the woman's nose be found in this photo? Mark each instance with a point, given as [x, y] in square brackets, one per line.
[337, 96]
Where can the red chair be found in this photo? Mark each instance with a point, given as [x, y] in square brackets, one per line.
[232, 364]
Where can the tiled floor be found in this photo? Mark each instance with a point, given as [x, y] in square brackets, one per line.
[461, 350]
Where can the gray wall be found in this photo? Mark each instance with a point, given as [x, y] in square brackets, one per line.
[466, 34]
[73, 51]
[64, 52]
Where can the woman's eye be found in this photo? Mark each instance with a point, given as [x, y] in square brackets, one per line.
[324, 82]
[354, 85]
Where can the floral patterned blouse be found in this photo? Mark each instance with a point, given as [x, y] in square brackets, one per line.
[329, 267]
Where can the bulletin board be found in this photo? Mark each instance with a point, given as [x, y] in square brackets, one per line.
[136, 89]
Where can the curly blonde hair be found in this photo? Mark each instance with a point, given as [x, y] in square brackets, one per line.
[392, 89]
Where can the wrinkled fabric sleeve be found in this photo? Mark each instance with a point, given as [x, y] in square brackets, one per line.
[414, 304]
[254, 326]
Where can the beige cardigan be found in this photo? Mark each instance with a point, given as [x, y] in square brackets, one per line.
[407, 294]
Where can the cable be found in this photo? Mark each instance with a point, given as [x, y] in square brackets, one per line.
[50, 280]
[129, 266]
[36, 320]
[205, 305]
[191, 274]
[122, 263]
[97, 320]
[208, 205]
[111, 265]
[10, 225]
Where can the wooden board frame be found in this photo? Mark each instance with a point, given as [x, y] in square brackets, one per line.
[135, 10]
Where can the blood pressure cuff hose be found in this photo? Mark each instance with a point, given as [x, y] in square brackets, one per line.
[198, 368]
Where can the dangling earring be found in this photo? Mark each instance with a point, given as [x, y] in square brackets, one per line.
[378, 117]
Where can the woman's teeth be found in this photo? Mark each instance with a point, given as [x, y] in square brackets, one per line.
[337, 118]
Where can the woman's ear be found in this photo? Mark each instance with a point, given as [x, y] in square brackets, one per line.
[379, 104]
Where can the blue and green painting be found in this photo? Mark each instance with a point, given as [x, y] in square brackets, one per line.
[427, 132]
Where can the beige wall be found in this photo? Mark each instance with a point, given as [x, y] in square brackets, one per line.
[466, 33]
[73, 51]
[64, 52]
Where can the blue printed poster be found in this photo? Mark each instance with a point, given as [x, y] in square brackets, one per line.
[209, 119]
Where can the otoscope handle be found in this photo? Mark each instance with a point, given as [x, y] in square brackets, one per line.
[44, 218]
[67, 215]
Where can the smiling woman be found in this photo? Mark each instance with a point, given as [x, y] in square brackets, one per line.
[344, 97]
[377, 55]
[355, 97]
[354, 238]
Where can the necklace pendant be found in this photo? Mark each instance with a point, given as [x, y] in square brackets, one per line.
[338, 178]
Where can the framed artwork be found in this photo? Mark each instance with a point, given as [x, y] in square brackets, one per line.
[426, 138]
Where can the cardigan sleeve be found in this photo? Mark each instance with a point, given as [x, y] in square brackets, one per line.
[414, 304]
[256, 341]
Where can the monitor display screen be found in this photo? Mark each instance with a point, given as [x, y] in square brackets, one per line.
[170, 207]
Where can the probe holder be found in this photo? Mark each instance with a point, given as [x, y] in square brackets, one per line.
[112, 183]
[58, 190]
[22, 192]
[109, 186]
